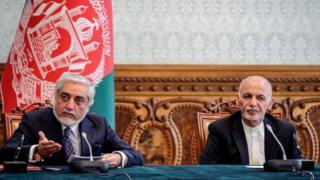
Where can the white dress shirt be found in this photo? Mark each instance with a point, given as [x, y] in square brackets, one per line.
[255, 143]
[75, 138]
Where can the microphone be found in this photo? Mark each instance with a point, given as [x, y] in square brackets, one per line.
[91, 165]
[287, 164]
[84, 135]
[279, 143]
[16, 166]
[16, 156]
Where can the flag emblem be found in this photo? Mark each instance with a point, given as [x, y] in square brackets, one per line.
[53, 37]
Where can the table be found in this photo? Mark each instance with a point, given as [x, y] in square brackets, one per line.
[165, 172]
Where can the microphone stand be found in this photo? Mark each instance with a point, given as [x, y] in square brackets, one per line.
[89, 165]
[287, 164]
[16, 166]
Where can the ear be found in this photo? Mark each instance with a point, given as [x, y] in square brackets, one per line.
[269, 107]
[237, 100]
[55, 99]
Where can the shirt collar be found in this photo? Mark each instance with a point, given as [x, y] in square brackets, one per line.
[73, 128]
[259, 128]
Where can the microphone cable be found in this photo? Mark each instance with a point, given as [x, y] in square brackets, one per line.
[92, 172]
[297, 145]
[302, 173]
[110, 175]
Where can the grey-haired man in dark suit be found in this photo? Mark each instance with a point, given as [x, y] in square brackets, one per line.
[243, 138]
[45, 129]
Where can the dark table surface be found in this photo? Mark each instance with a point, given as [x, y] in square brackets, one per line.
[165, 172]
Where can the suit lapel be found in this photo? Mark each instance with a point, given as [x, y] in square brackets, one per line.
[240, 140]
[53, 131]
[270, 146]
[86, 127]
[51, 128]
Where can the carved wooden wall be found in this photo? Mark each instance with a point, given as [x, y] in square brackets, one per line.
[155, 105]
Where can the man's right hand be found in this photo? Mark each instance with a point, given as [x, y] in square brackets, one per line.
[47, 147]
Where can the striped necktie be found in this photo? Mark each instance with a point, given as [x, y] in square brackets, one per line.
[68, 148]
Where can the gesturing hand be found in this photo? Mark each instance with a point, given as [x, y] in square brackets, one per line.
[47, 147]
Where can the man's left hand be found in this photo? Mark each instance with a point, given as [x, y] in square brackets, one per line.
[114, 159]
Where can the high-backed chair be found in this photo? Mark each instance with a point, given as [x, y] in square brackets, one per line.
[204, 119]
[220, 111]
[306, 133]
[12, 119]
[11, 122]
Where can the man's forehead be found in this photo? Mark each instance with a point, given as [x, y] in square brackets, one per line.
[256, 80]
[81, 91]
[70, 93]
[74, 87]
[258, 89]
[254, 93]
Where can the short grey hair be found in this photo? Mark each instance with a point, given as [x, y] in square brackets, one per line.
[257, 78]
[79, 79]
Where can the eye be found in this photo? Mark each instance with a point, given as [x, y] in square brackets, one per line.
[64, 96]
[261, 98]
[79, 100]
[246, 96]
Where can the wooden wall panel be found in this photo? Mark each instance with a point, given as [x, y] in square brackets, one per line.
[156, 104]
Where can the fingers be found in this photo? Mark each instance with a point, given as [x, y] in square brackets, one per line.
[50, 145]
[114, 159]
[47, 147]
[42, 136]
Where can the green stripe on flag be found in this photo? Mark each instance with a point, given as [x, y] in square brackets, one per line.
[104, 99]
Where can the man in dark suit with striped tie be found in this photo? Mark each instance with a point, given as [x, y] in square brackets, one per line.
[54, 134]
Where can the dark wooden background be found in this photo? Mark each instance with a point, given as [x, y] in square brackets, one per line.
[156, 104]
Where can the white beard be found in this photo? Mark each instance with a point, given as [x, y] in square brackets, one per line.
[67, 121]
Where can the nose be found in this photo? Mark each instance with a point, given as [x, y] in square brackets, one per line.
[70, 104]
[253, 101]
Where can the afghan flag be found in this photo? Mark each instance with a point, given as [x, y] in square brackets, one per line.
[57, 36]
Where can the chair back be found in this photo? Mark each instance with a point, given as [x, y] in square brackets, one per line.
[220, 111]
[12, 119]
[204, 119]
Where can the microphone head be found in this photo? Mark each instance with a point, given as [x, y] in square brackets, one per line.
[84, 135]
[269, 128]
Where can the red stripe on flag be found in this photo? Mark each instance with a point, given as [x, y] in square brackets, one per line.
[54, 37]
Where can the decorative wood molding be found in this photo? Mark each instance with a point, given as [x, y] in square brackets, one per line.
[156, 104]
[170, 95]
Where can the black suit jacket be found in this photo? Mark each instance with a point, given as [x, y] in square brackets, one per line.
[100, 136]
[227, 144]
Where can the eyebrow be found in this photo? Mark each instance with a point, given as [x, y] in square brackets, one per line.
[248, 93]
[77, 96]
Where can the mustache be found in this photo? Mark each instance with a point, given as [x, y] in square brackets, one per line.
[67, 112]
